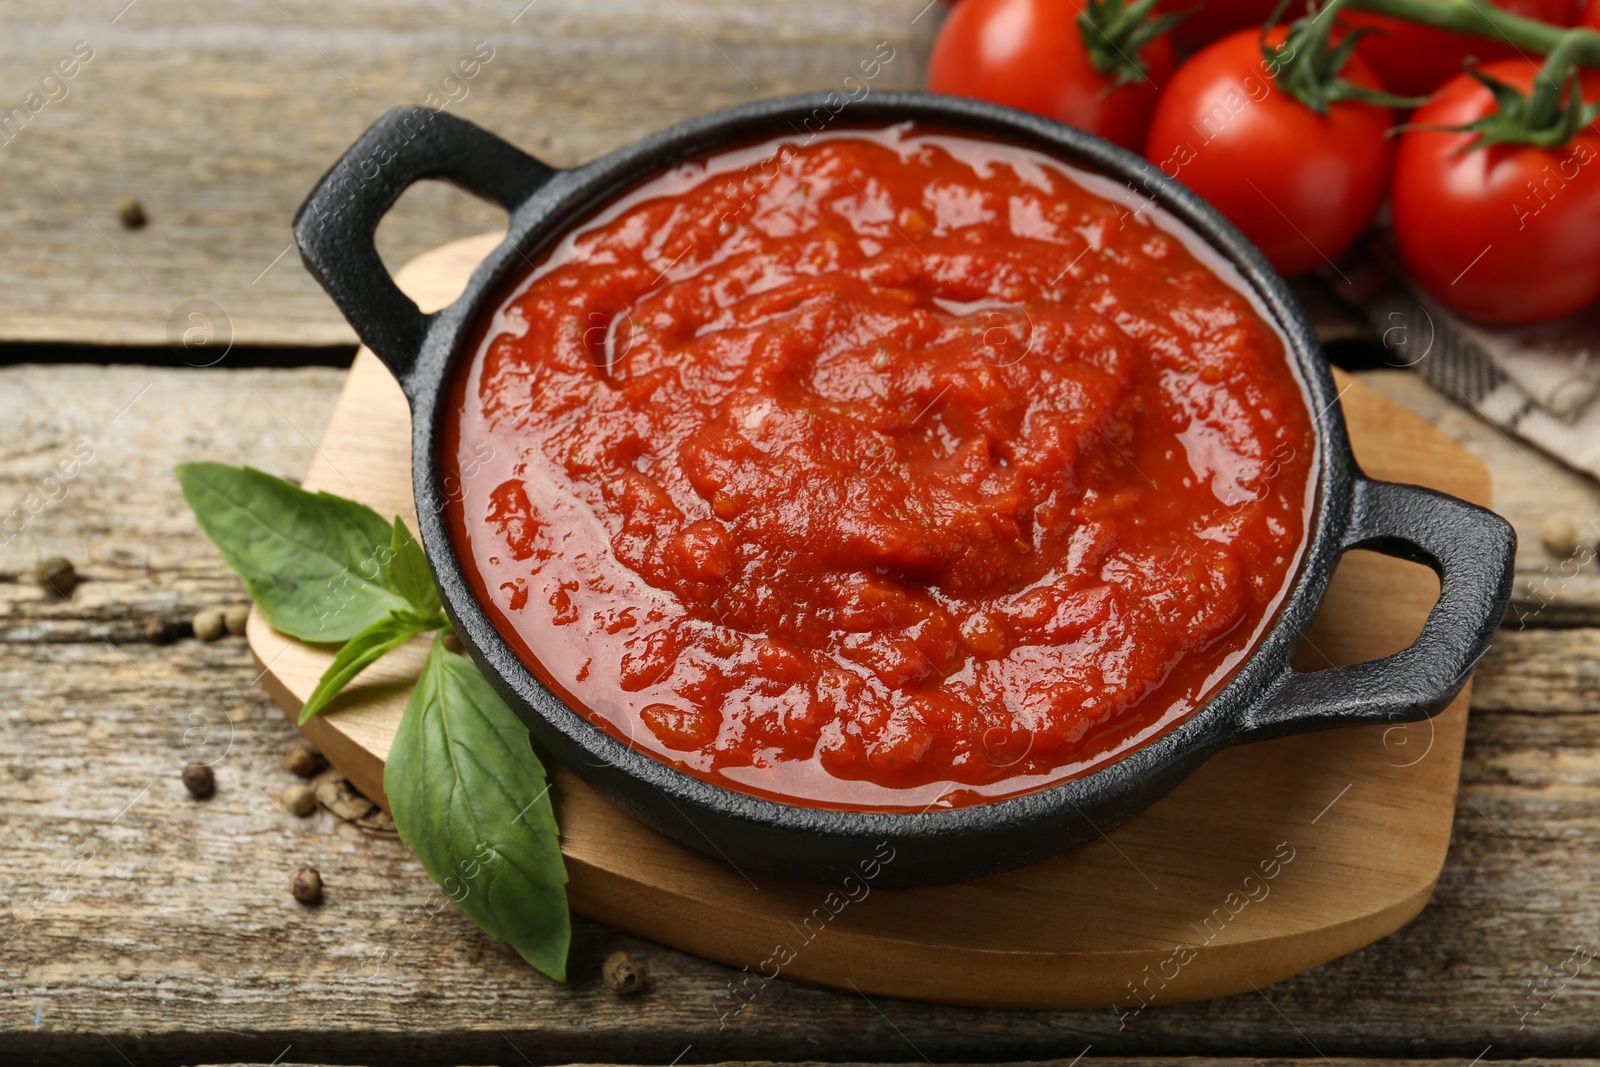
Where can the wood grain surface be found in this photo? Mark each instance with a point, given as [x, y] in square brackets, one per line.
[220, 119]
[140, 926]
[1138, 917]
[177, 941]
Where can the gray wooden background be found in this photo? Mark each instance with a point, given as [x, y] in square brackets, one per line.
[220, 116]
[141, 927]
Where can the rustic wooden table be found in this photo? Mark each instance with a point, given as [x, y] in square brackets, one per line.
[140, 926]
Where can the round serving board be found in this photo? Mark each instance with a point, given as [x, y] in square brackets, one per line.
[1273, 858]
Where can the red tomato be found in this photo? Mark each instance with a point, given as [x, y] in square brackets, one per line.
[1591, 15]
[1212, 20]
[1029, 54]
[1302, 186]
[1414, 60]
[1508, 234]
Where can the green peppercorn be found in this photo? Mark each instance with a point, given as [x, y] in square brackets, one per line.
[301, 759]
[622, 974]
[306, 885]
[1560, 536]
[235, 619]
[208, 625]
[299, 800]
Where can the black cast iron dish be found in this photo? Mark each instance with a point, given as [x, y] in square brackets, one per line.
[1471, 549]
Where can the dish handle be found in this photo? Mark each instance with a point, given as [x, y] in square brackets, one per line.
[335, 226]
[1472, 550]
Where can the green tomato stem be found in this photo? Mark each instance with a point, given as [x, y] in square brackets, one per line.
[1114, 32]
[1573, 48]
[1482, 19]
[1565, 49]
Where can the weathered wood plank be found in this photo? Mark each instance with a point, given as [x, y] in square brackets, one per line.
[220, 125]
[1529, 488]
[176, 892]
[175, 939]
[1541, 672]
[86, 457]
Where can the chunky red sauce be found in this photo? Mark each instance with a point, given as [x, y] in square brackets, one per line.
[891, 469]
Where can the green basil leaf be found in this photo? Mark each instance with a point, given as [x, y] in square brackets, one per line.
[470, 797]
[362, 651]
[316, 564]
[408, 570]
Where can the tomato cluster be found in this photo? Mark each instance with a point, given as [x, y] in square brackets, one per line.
[1504, 233]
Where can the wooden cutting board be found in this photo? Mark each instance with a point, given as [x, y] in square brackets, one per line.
[1273, 858]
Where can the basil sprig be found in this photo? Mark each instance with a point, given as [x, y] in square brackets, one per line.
[467, 793]
[365, 649]
[470, 798]
[316, 564]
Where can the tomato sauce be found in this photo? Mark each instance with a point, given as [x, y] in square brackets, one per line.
[889, 469]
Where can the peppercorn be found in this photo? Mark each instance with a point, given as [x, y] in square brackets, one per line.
[306, 885]
[235, 618]
[301, 759]
[1560, 536]
[130, 211]
[208, 625]
[300, 800]
[199, 779]
[622, 974]
[58, 575]
[161, 630]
